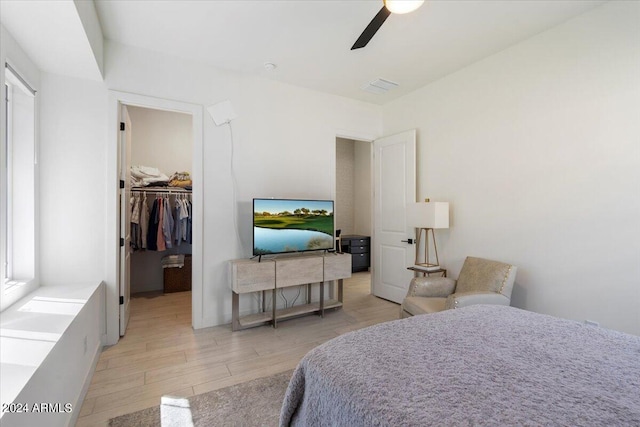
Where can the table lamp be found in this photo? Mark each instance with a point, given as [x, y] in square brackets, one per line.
[425, 217]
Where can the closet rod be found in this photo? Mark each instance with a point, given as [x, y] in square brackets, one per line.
[162, 190]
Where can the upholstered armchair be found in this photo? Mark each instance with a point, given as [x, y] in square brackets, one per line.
[481, 281]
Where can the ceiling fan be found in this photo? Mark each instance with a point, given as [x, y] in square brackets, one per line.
[390, 6]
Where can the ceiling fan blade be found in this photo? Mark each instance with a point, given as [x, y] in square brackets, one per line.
[372, 28]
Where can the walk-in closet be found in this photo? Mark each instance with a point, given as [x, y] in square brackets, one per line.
[160, 205]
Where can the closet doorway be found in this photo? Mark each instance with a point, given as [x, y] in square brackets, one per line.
[160, 202]
[157, 127]
[354, 198]
[156, 204]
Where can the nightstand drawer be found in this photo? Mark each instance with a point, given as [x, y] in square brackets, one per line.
[360, 260]
[360, 242]
[359, 249]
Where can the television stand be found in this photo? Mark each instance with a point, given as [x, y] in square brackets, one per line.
[249, 275]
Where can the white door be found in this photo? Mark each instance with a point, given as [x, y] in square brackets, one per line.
[125, 218]
[394, 188]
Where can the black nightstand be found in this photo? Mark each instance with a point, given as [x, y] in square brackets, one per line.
[359, 248]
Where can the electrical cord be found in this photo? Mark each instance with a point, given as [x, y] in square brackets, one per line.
[286, 303]
[234, 189]
[296, 298]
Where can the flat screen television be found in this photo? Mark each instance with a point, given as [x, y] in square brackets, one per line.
[292, 225]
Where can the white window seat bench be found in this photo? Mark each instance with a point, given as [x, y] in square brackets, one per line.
[50, 341]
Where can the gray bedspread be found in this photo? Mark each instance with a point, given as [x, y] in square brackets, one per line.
[479, 365]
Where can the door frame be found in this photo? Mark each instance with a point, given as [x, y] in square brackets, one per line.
[112, 250]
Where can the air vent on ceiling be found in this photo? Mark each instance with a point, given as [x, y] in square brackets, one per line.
[379, 86]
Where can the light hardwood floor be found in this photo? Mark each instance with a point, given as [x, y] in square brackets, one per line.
[162, 355]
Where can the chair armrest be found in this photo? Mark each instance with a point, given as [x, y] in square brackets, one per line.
[431, 287]
[463, 299]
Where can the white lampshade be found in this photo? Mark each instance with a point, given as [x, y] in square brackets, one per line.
[402, 6]
[428, 214]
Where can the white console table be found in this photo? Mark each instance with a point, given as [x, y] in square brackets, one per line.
[251, 275]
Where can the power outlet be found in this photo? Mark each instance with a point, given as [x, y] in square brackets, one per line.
[85, 345]
[591, 323]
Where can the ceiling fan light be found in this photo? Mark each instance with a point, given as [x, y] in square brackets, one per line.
[402, 6]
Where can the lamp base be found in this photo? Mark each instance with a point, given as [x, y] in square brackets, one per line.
[425, 261]
[426, 264]
[427, 267]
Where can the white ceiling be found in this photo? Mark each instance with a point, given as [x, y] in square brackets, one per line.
[310, 40]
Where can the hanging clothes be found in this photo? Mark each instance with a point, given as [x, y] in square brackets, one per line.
[184, 218]
[160, 233]
[189, 222]
[177, 227]
[144, 221]
[136, 235]
[167, 225]
[152, 241]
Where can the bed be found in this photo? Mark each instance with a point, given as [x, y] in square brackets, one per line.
[478, 365]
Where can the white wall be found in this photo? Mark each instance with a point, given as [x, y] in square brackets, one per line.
[537, 148]
[161, 139]
[73, 180]
[344, 199]
[363, 184]
[353, 186]
[276, 123]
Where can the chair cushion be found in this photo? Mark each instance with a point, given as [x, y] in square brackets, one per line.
[421, 305]
[482, 275]
[439, 287]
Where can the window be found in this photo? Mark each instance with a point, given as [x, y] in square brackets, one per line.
[19, 187]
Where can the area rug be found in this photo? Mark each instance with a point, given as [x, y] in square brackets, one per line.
[253, 403]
